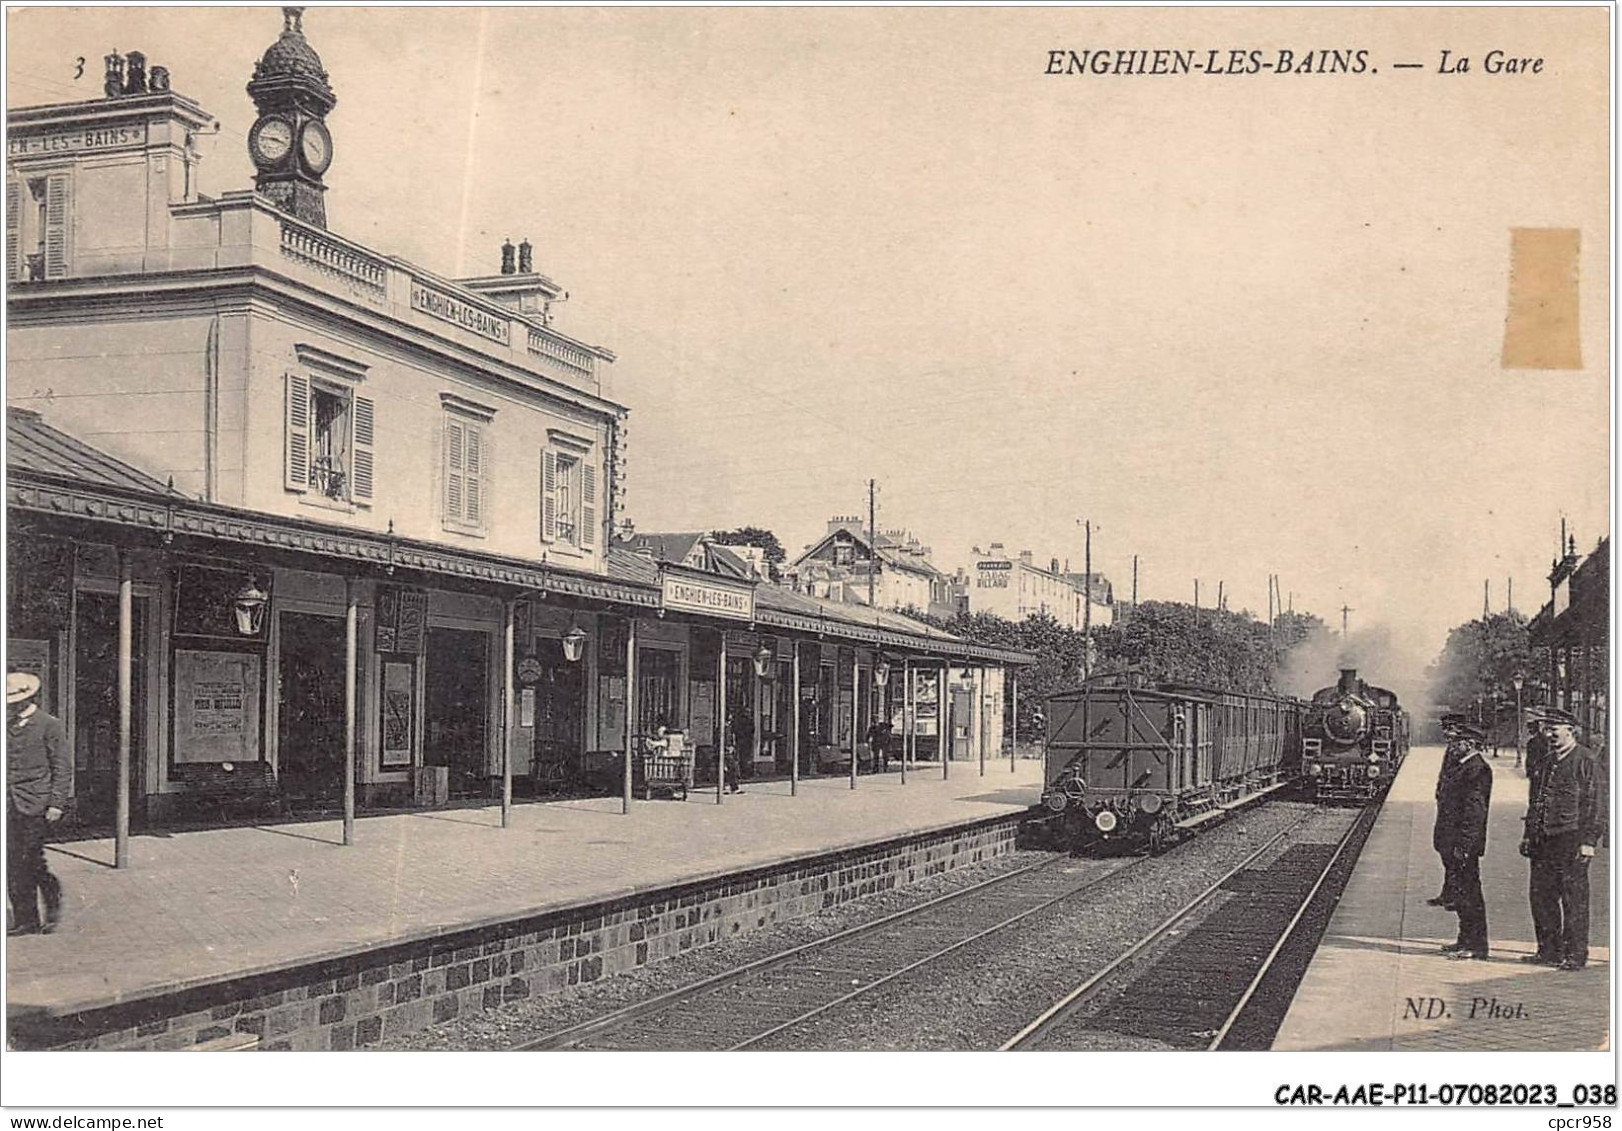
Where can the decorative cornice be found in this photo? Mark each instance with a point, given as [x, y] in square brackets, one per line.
[165, 516]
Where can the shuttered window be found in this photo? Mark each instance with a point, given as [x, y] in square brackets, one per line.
[14, 223]
[364, 419]
[549, 496]
[330, 438]
[467, 456]
[298, 432]
[588, 505]
[58, 201]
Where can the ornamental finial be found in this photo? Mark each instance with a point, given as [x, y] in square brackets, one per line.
[295, 20]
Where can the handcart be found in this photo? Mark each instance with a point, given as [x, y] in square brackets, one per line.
[667, 768]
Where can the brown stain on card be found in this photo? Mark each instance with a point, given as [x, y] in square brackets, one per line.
[1540, 328]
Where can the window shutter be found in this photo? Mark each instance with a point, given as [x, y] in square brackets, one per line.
[14, 213]
[361, 478]
[475, 474]
[588, 505]
[298, 432]
[549, 495]
[57, 208]
[453, 471]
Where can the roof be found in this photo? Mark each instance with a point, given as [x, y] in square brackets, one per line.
[886, 553]
[35, 446]
[677, 548]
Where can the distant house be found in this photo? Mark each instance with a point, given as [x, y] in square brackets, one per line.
[699, 550]
[846, 562]
[1015, 588]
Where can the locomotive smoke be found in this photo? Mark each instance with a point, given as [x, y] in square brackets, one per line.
[1317, 662]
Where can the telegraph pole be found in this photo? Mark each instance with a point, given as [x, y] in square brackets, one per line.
[1087, 605]
[1344, 610]
[1219, 596]
[1134, 583]
[872, 545]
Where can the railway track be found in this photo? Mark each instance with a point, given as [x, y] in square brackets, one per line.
[743, 1007]
[1228, 976]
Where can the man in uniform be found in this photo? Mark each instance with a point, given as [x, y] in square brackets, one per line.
[39, 781]
[1442, 832]
[1537, 742]
[1565, 820]
[1466, 799]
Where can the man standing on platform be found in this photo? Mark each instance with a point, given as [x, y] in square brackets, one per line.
[1468, 797]
[1442, 832]
[1537, 742]
[1565, 820]
[39, 781]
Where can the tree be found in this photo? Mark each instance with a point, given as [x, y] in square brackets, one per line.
[760, 537]
[1480, 661]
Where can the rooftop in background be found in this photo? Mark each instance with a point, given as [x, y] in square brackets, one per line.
[34, 446]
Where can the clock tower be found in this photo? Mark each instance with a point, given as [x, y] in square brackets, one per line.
[290, 144]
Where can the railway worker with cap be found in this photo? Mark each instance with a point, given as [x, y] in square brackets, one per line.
[1565, 821]
[1537, 742]
[1441, 833]
[1466, 799]
[39, 781]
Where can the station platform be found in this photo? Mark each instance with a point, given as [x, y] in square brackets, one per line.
[1378, 980]
[200, 907]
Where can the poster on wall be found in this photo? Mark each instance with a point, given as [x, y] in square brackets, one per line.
[702, 714]
[216, 707]
[402, 620]
[399, 685]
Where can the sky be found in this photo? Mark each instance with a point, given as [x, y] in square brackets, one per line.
[1243, 324]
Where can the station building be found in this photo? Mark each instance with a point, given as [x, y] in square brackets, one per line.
[1570, 638]
[292, 515]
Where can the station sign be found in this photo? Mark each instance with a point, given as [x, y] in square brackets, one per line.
[464, 314]
[687, 593]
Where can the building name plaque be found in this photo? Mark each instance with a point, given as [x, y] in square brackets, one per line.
[77, 141]
[694, 596]
[463, 314]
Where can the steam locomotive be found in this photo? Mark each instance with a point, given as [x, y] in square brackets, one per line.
[1127, 761]
[1354, 737]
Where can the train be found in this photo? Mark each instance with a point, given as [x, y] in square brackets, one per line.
[1131, 761]
[1147, 764]
[1354, 737]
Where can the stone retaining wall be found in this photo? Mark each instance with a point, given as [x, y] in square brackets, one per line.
[355, 1001]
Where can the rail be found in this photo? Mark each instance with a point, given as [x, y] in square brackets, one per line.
[575, 1035]
[1055, 1015]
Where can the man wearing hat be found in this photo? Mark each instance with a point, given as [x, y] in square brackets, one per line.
[1465, 802]
[1537, 742]
[1442, 831]
[39, 781]
[1565, 819]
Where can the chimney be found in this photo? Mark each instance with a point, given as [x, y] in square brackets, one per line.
[996, 548]
[1348, 680]
[1025, 557]
[507, 257]
[1054, 566]
[526, 258]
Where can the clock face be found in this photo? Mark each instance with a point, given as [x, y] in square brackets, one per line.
[270, 141]
[315, 146]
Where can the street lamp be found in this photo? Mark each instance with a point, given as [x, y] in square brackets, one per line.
[762, 660]
[1520, 723]
[574, 643]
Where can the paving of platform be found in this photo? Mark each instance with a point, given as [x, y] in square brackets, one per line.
[1379, 964]
[195, 907]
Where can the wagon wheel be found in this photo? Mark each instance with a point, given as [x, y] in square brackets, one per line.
[1159, 838]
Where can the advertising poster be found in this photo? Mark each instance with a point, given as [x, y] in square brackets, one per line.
[216, 707]
[399, 682]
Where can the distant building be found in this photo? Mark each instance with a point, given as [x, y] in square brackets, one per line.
[699, 550]
[839, 565]
[1571, 636]
[1015, 588]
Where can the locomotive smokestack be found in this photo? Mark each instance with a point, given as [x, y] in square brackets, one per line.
[1348, 679]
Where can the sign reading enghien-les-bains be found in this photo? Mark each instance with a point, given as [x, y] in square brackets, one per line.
[694, 596]
[463, 314]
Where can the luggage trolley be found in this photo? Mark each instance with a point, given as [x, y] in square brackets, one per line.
[667, 766]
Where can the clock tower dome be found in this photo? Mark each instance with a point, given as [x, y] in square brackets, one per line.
[290, 144]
